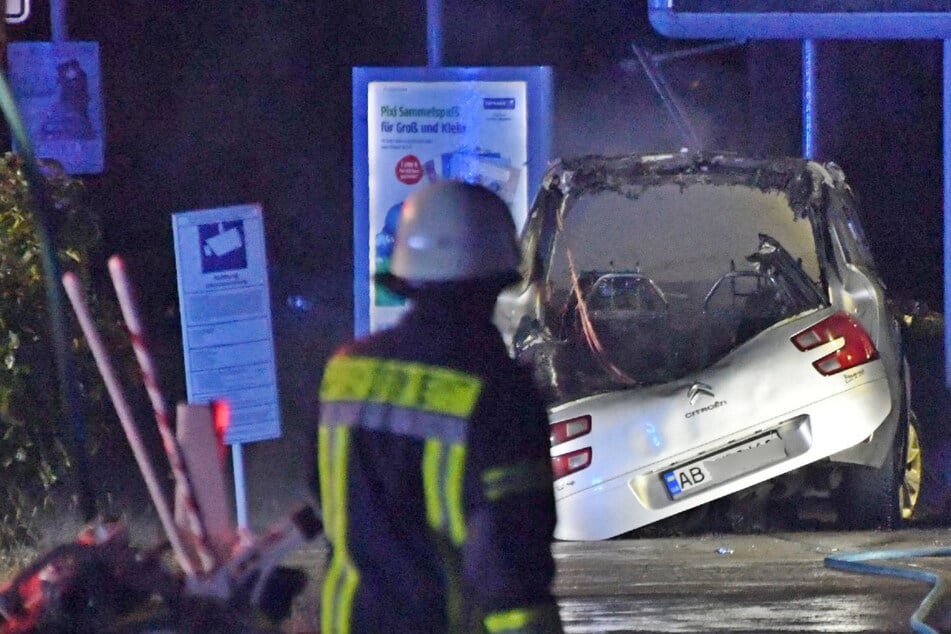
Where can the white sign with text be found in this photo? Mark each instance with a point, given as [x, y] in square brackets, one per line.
[224, 300]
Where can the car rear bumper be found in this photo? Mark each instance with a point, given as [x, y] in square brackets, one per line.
[641, 497]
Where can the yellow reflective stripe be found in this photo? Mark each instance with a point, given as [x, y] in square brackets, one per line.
[342, 577]
[347, 378]
[443, 477]
[534, 619]
[432, 459]
[507, 621]
[347, 593]
[401, 383]
[516, 478]
[455, 470]
[323, 468]
[331, 511]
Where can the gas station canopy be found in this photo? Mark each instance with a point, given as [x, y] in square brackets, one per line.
[802, 19]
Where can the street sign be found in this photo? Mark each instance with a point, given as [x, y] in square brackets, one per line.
[224, 301]
[802, 19]
[17, 11]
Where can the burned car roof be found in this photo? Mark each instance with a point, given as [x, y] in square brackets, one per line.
[799, 179]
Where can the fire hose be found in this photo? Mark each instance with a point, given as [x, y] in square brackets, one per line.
[858, 562]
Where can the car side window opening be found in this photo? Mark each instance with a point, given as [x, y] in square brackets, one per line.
[844, 216]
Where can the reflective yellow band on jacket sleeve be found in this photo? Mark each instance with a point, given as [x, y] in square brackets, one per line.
[443, 475]
[513, 479]
[432, 461]
[533, 620]
[455, 470]
[342, 577]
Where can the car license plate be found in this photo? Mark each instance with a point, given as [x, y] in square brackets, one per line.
[687, 478]
[724, 465]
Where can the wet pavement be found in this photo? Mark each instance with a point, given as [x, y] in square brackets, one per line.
[774, 582]
[745, 583]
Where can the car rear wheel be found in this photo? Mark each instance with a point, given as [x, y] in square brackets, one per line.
[882, 498]
[913, 472]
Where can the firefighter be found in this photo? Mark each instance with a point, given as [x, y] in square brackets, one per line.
[433, 454]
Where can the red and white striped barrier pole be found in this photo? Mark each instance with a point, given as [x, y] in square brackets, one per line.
[76, 298]
[149, 376]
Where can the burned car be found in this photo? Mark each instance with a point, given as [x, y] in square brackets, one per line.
[704, 326]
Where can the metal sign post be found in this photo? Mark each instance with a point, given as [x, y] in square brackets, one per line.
[227, 338]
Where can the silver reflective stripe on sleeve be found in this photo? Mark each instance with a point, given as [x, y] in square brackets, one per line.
[395, 419]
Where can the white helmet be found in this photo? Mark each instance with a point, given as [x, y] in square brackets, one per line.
[452, 231]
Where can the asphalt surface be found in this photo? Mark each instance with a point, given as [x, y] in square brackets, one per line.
[744, 583]
[776, 582]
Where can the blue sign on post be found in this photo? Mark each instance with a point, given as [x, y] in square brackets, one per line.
[58, 89]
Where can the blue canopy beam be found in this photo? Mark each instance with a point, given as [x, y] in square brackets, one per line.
[809, 20]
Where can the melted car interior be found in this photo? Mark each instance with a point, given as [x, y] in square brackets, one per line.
[649, 287]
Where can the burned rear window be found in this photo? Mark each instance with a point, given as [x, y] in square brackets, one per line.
[683, 238]
[646, 285]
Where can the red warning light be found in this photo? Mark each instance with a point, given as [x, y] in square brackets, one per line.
[221, 415]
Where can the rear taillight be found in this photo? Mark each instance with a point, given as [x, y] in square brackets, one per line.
[566, 430]
[563, 431]
[855, 349]
[570, 462]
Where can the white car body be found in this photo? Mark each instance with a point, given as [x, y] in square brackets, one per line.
[754, 409]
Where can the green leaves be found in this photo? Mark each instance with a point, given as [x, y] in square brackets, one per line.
[31, 454]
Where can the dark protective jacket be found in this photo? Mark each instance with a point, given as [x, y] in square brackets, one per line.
[436, 485]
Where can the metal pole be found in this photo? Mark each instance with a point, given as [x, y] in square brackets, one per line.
[434, 33]
[946, 115]
[240, 492]
[676, 111]
[58, 28]
[660, 58]
[809, 100]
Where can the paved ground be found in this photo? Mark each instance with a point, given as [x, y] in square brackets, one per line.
[726, 583]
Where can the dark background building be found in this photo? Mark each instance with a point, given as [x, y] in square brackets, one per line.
[223, 102]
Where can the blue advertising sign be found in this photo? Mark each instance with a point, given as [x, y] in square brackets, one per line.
[801, 19]
[57, 87]
[414, 126]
